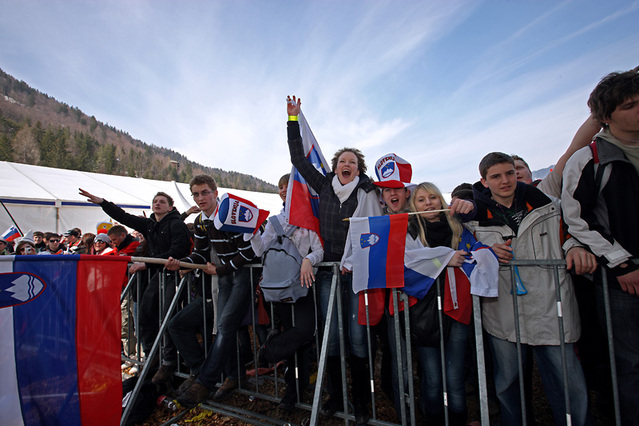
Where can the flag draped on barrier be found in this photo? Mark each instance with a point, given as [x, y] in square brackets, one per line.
[60, 339]
[378, 244]
[302, 202]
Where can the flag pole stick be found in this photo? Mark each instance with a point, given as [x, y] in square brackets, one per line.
[12, 219]
[411, 213]
[159, 261]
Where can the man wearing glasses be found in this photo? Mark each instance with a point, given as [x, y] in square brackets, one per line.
[233, 300]
[52, 244]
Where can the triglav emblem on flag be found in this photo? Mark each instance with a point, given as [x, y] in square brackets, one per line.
[368, 240]
[19, 288]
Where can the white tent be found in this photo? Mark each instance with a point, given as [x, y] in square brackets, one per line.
[47, 199]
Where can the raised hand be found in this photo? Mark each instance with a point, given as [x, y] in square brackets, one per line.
[90, 197]
[293, 105]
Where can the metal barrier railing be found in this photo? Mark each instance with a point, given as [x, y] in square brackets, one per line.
[403, 349]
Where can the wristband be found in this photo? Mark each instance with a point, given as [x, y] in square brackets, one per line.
[292, 118]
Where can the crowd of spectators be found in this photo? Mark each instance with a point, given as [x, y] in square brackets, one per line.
[585, 211]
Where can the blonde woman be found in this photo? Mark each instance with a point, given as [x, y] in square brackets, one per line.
[436, 228]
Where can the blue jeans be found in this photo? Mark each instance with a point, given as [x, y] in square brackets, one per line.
[432, 384]
[232, 303]
[354, 334]
[184, 327]
[392, 346]
[549, 361]
[624, 311]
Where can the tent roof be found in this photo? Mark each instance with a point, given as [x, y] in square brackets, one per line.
[28, 185]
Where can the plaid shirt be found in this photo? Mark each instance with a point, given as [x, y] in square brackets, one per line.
[333, 229]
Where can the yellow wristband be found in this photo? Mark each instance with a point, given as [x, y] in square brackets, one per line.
[292, 118]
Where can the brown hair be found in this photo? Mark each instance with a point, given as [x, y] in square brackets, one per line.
[361, 164]
[165, 195]
[283, 180]
[613, 90]
[492, 159]
[203, 180]
[117, 229]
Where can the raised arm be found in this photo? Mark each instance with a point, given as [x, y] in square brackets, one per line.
[582, 138]
[551, 184]
[296, 147]
[135, 222]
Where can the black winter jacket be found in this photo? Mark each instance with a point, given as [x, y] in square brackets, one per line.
[168, 237]
[333, 229]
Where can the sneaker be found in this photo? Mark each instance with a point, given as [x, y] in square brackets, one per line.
[226, 389]
[163, 375]
[194, 395]
[186, 384]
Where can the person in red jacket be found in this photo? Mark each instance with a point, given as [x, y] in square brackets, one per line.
[125, 245]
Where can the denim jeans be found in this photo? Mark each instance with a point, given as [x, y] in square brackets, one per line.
[432, 384]
[150, 316]
[354, 334]
[624, 311]
[392, 346]
[549, 361]
[232, 303]
[184, 327]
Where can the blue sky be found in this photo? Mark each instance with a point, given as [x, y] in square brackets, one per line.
[440, 83]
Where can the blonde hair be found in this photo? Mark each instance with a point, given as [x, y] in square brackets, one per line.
[455, 226]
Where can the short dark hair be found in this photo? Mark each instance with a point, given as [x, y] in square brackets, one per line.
[361, 164]
[517, 157]
[38, 234]
[165, 195]
[117, 229]
[612, 91]
[463, 191]
[203, 180]
[492, 159]
[283, 180]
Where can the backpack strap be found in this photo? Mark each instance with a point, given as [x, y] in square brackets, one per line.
[278, 228]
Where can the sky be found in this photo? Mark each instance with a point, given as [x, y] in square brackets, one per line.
[440, 83]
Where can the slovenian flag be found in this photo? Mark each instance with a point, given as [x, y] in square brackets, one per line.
[378, 244]
[302, 202]
[60, 339]
[10, 234]
[235, 214]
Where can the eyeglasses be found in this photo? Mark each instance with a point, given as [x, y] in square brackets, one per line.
[204, 193]
[54, 241]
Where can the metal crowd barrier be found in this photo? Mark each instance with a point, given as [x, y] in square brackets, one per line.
[407, 414]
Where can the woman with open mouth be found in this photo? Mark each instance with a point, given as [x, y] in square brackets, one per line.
[344, 192]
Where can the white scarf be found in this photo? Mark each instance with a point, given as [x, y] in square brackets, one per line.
[344, 191]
